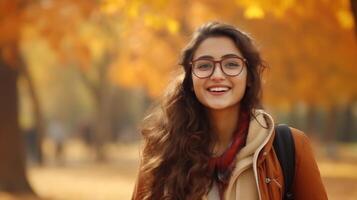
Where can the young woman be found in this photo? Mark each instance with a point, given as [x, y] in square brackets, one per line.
[210, 139]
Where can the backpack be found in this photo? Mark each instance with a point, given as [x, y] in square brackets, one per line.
[284, 147]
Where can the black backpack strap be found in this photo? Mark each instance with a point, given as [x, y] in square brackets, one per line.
[285, 150]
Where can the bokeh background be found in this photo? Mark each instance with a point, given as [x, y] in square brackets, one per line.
[77, 77]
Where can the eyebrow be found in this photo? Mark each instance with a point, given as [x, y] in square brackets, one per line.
[211, 57]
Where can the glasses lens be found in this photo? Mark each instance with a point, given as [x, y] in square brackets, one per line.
[232, 66]
[203, 68]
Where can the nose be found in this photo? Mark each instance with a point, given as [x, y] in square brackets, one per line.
[217, 73]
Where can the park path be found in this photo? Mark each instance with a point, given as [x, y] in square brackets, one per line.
[79, 178]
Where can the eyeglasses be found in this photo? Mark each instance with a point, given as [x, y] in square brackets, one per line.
[230, 66]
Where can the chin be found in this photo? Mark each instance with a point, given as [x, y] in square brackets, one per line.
[221, 104]
[217, 106]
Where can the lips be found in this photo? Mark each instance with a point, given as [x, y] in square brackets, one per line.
[218, 89]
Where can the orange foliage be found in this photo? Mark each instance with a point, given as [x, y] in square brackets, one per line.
[309, 45]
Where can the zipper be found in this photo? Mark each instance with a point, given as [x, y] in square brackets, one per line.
[269, 180]
[277, 182]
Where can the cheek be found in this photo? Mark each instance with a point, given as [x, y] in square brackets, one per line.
[243, 81]
[198, 89]
[197, 85]
[241, 85]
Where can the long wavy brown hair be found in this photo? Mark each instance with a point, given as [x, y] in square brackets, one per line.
[178, 140]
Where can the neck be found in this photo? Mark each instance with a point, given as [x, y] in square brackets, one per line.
[224, 124]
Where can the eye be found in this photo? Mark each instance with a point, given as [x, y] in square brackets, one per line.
[231, 64]
[203, 65]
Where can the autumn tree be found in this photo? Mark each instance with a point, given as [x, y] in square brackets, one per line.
[88, 39]
[136, 44]
[99, 42]
[12, 156]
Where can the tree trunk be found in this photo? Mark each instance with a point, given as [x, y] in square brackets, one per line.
[39, 121]
[331, 131]
[100, 92]
[102, 123]
[101, 127]
[12, 156]
[311, 122]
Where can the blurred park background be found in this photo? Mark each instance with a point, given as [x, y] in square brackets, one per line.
[77, 76]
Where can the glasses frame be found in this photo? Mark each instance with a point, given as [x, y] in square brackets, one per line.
[192, 63]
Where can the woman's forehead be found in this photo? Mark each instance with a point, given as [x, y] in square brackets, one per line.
[216, 47]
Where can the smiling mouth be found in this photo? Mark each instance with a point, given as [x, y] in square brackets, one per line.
[218, 90]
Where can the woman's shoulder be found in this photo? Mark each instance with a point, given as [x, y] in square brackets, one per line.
[299, 136]
[303, 146]
[307, 182]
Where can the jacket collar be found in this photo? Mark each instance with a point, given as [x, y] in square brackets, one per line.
[265, 121]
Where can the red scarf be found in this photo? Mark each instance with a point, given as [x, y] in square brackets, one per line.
[222, 166]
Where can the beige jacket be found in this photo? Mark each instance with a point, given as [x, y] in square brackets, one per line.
[258, 174]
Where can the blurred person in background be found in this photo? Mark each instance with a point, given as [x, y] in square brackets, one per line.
[210, 138]
[86, 133]
[57, 133]
[32, 146]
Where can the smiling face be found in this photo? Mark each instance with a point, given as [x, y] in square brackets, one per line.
[219, 91]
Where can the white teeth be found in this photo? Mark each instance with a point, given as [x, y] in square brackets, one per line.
[218, 89]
